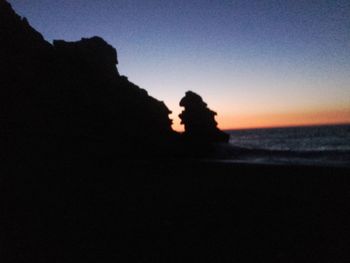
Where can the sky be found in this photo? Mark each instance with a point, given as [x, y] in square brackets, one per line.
[257, 63]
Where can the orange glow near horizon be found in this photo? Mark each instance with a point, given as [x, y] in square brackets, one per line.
[251, 121]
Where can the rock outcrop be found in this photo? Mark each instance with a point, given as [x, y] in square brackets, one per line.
[94, 52]
[199, 121]
[69, 97]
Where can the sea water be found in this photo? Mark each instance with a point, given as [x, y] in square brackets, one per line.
[317, 145]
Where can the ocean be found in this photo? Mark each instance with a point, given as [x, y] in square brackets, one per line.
[316, 145]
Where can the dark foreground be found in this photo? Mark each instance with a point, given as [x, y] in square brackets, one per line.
[175, 212]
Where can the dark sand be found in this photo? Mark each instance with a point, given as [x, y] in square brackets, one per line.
[144, 211]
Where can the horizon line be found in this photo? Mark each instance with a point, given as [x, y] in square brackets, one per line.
[288, 126]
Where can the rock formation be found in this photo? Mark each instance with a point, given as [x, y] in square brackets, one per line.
[69, 96]
[94, 52]
[199, 120]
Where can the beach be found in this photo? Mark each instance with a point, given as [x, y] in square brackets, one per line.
[172, 211]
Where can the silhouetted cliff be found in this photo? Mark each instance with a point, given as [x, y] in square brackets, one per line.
[70, 95]
[68, 98]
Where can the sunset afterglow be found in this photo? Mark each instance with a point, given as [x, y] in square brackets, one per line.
[256, 63]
